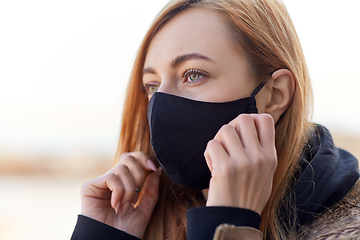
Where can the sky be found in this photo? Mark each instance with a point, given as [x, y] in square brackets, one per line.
[64, 67]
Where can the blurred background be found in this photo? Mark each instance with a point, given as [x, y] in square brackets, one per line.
[63, 71]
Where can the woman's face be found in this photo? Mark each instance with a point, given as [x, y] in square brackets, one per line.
[192, 57]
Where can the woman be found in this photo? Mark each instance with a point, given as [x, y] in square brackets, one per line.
[206, 69]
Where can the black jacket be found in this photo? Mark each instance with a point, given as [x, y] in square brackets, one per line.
[326, 174]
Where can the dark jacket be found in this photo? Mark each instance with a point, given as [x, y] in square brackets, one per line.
[324, 194]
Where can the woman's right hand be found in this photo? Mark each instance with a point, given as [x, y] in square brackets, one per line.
[110, 197]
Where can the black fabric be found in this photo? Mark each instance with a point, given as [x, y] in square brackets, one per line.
[202, 221]
[90, 229]
[327, 175]
[180, 129]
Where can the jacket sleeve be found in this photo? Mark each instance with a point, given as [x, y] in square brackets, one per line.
[202, 222]
[90, 229]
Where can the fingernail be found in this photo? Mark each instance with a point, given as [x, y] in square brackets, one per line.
[125, 208]
[151, 165]
[117, 207]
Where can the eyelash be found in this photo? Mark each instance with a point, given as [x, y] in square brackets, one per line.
[190, 71]
[185, 75]
[146, 88]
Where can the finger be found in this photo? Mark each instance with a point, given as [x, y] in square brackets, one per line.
[128, 183]
[208, 159]
[230, 140]
[105, 187]
[216, 153]
[266, 130]
[150, 193]
[246, 129]
[142, 158]
[135, 168]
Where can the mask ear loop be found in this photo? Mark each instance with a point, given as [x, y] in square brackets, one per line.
[261, 85]
[257, 90]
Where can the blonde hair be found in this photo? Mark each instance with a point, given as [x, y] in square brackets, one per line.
[263, 30]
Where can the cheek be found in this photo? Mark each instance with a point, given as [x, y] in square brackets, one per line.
[218, 94]
[221, 93]
[262, 101]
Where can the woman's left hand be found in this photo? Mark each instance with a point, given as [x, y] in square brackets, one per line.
[242, 160]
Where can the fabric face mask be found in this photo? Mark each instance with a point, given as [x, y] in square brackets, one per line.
[180, 129]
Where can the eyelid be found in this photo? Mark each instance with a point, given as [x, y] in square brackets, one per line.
[149, 84]
[190, 71]
[194, 70]
[184, 76]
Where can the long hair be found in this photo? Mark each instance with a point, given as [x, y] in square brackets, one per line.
[263, 30]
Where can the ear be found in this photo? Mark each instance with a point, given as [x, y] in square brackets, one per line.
[282, 88]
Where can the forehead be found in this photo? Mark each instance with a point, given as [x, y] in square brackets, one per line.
[194, 30]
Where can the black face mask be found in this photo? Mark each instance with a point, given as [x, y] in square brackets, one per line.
[180, 129]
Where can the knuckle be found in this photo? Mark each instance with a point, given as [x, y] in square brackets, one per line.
[244, 118]
[111, 177]
[125, 158]
[141, 153]
[212, 143]
[226, 129]
[85, 186]
[266, 118]
[130, 162]
[123, 169]
[124, 155]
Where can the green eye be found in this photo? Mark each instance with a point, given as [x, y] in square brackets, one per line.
[151, 89]
[194, 77]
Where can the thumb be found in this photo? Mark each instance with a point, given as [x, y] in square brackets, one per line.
[208, 159]
[150, 193]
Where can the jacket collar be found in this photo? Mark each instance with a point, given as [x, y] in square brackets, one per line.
[326, 175]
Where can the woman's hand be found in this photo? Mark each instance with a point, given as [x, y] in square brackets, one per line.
[242, 160]
[110, 198]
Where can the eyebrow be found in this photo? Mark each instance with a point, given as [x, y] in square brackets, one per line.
[187, 57]
[178, 60]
